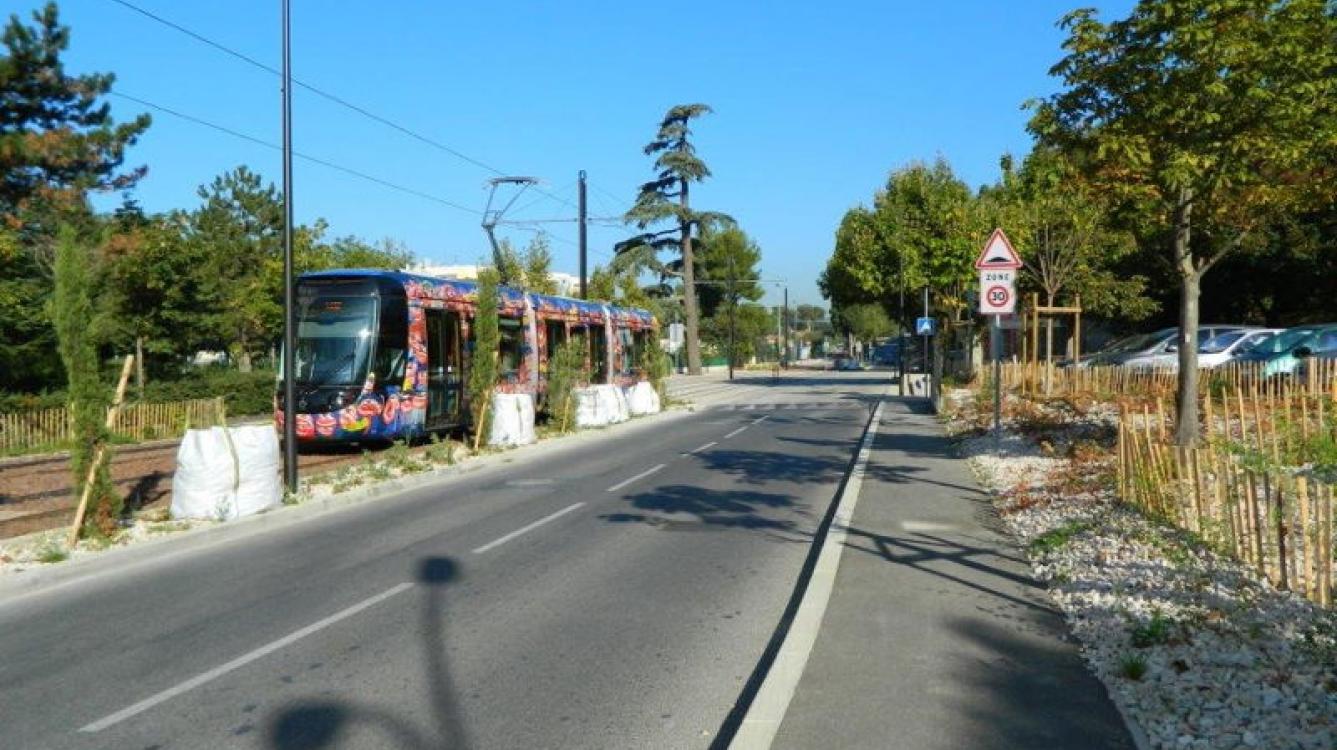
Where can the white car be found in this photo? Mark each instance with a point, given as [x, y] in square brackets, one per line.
[1160, 350]
[1224, 347]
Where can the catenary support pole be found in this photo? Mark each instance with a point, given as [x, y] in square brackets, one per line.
[785, 319]
[289, 292]
[584, 247]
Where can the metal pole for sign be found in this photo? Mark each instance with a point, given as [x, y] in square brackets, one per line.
[996, 345]
[289, 303]
[926, 342]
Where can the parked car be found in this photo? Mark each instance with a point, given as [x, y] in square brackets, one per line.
[1150, 350]
[1283, 352]
[1224, 347]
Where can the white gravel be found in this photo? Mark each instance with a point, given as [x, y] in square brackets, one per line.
[1229, 661]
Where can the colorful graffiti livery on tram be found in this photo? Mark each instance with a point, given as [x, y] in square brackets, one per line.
[382, 355]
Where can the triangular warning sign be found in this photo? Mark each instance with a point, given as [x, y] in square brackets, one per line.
[998, 253]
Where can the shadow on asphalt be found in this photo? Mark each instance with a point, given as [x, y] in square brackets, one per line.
[932, 554]
[316, 723]
[1040, 696]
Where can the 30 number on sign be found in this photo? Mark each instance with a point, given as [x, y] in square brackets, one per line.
[997, 293]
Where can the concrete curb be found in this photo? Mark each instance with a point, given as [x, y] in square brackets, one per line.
[764, 715]
[44, 577]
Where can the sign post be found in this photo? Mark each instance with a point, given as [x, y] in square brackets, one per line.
[997, 264]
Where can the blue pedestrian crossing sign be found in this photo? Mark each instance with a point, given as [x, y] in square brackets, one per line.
[924, 326]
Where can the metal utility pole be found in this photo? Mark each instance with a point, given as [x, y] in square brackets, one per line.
[732, 304]
[491, 216]
[289, 291]
[900, 335]
[785, 356]
[583, 245]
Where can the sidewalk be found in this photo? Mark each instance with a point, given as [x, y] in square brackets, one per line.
[935, 636]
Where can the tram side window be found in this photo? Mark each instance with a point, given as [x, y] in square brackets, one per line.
[392, 343]
[629, 351]
[642, 339]
[599, 353]
[556, 333]
[512, 342]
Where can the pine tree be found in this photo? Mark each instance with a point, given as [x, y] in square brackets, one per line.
[666, 198]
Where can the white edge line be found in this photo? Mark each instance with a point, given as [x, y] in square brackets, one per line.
[526, 529]
[762, 723]
[642, 475]
[240, 661]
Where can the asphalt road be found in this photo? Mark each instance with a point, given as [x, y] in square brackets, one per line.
[608, 592]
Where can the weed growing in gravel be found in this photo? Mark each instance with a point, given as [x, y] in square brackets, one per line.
[52, 552]
[1153, 632]
[1057, 538]
[1133, 666]
[440, 452]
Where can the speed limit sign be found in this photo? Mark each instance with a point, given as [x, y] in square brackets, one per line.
[997, 293]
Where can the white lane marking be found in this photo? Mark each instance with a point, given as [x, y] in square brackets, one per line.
[711, 444]
[530, 482]
[526, 529]
[763, 718]
[241, 661]
[758, 420]
[642, 475]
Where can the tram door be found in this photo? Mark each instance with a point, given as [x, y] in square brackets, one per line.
[445, 376]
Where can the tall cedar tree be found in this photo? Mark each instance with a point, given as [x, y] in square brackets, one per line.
[667, 198]
[73, 313]
[57, 141]
[483, 361]
[1211, 117]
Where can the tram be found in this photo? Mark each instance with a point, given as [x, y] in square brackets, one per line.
[383, 355]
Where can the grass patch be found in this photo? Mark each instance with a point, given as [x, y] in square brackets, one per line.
[1154, 632]
[1057, 538]
[52, 553]
[1133, 667]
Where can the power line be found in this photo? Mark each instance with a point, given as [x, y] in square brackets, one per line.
[322, 93]
[312, 159]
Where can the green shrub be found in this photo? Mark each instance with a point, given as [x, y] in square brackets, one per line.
[245, 393]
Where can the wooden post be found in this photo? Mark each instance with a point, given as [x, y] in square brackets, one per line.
[98, 453]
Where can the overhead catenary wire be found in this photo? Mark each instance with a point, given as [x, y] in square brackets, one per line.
[326, 95]
[305, 157]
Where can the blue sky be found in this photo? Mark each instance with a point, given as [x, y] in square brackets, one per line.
[814, 105]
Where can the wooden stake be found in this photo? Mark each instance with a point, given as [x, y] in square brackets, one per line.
[98, 453]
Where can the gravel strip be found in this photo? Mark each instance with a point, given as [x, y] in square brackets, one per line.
[1199, 650]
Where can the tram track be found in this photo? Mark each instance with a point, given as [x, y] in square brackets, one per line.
[36, 492]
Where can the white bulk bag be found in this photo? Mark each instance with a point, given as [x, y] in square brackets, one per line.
[512, 419]
[588, 413]
[260, 465]
[612, 404]
[642, 398]
[226, 473]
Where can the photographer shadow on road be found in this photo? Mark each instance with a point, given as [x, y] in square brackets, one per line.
[316, 723]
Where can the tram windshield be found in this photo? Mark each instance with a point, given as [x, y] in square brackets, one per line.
[334, 339]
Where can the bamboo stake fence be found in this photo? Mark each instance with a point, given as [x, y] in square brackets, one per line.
[1260, 487]
[22, 431]
[1318, 377]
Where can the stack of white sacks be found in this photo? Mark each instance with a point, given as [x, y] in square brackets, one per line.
[600, 405]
